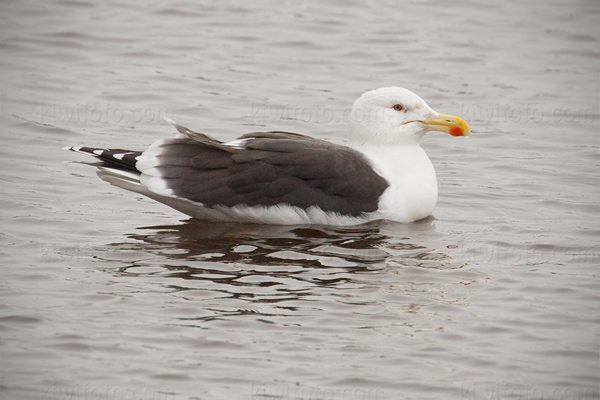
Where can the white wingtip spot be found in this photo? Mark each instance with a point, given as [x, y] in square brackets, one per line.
[98, 152]
[119, 156]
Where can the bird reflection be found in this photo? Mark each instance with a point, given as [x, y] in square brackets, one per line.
[238, 269]
[230, 253]
[311, 246]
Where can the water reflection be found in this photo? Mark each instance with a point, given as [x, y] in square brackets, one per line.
[264, 244]
[249, 255]
[198, 249]
[382, 271]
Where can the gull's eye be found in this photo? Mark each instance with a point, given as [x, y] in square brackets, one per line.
[398, 107]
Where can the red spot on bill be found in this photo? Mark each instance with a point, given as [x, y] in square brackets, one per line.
[456, 131]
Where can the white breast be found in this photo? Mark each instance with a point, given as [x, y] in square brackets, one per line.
[412, 193]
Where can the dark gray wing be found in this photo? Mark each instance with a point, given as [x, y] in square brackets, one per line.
[266, 169]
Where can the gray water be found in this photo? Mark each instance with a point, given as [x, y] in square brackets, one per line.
[108, 295]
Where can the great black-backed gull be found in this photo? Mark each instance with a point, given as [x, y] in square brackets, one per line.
[287, 178]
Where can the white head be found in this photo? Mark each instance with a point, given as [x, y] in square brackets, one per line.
[397, 116]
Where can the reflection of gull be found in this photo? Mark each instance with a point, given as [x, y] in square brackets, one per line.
[196, 244]
[287, 178]
[265, 245]
[228, 270]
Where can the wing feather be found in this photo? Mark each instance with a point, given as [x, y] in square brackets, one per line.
[271, 168]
